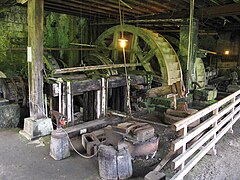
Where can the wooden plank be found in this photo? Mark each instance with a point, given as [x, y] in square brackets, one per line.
[85, 106]
[179, 125]
[90, 68]
[93, 125]
[79, 87]
[35, 61]
[114, 82]
[203, 126]
[200, 155]
[56, 49]
[164, 161]
[123, 99]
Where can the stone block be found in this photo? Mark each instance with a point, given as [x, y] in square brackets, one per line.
[9, 17]
[167, 102]
[114, 164]
[15, 27]
[90, 143]
[36, 128]
[144, 133]
[205, 94]
[59, 145]
[9, 116]
[3, 101]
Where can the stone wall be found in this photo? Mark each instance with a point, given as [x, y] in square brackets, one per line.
[62, 29]
[9, 115]
[13, 34]
[59, 31]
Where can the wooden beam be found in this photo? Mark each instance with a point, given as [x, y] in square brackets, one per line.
[93, 125]
[84, 85]
[216, 11]
[237, 18]
[90, 68]
[35, 58]
[207, 12]
[84, 7]
[77, 8]
[56, 49]
[112, 6]
[133, 21]
[73, 12]
[143, 7]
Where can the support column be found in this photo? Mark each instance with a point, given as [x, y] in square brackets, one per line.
[37, 124]
[188, 65]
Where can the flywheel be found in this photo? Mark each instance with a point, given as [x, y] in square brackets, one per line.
[152, 50]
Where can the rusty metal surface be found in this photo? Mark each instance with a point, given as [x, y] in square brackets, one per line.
[143, 149]
[138, 136]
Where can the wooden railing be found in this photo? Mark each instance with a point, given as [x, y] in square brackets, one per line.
[216, 120]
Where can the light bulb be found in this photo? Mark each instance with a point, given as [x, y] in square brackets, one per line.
[226, 52]
[123, 42]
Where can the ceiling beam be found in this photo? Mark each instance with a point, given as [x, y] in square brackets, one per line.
[207, 12]
[147, 21]
[114, 6]
[66, 6]
[216, 11]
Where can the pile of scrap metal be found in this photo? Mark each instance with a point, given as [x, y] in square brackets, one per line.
[225, 83]
[117, 145]
[139, 137]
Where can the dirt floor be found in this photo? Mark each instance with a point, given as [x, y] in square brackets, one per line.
[24, 160]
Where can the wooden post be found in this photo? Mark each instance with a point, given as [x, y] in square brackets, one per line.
[38, 124]
[188, 45]
[35, 58]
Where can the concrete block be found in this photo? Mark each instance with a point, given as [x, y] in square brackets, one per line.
[114, 164]
[90, 143]
[36, 128]
[59, 145]
[155, 175]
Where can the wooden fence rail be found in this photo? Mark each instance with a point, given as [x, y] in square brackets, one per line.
[216, 120]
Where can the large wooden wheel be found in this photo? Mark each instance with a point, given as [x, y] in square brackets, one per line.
[150, 49]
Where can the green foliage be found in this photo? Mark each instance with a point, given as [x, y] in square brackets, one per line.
[51, 30]
[4, 43]
[12, 63]
[59, 31]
